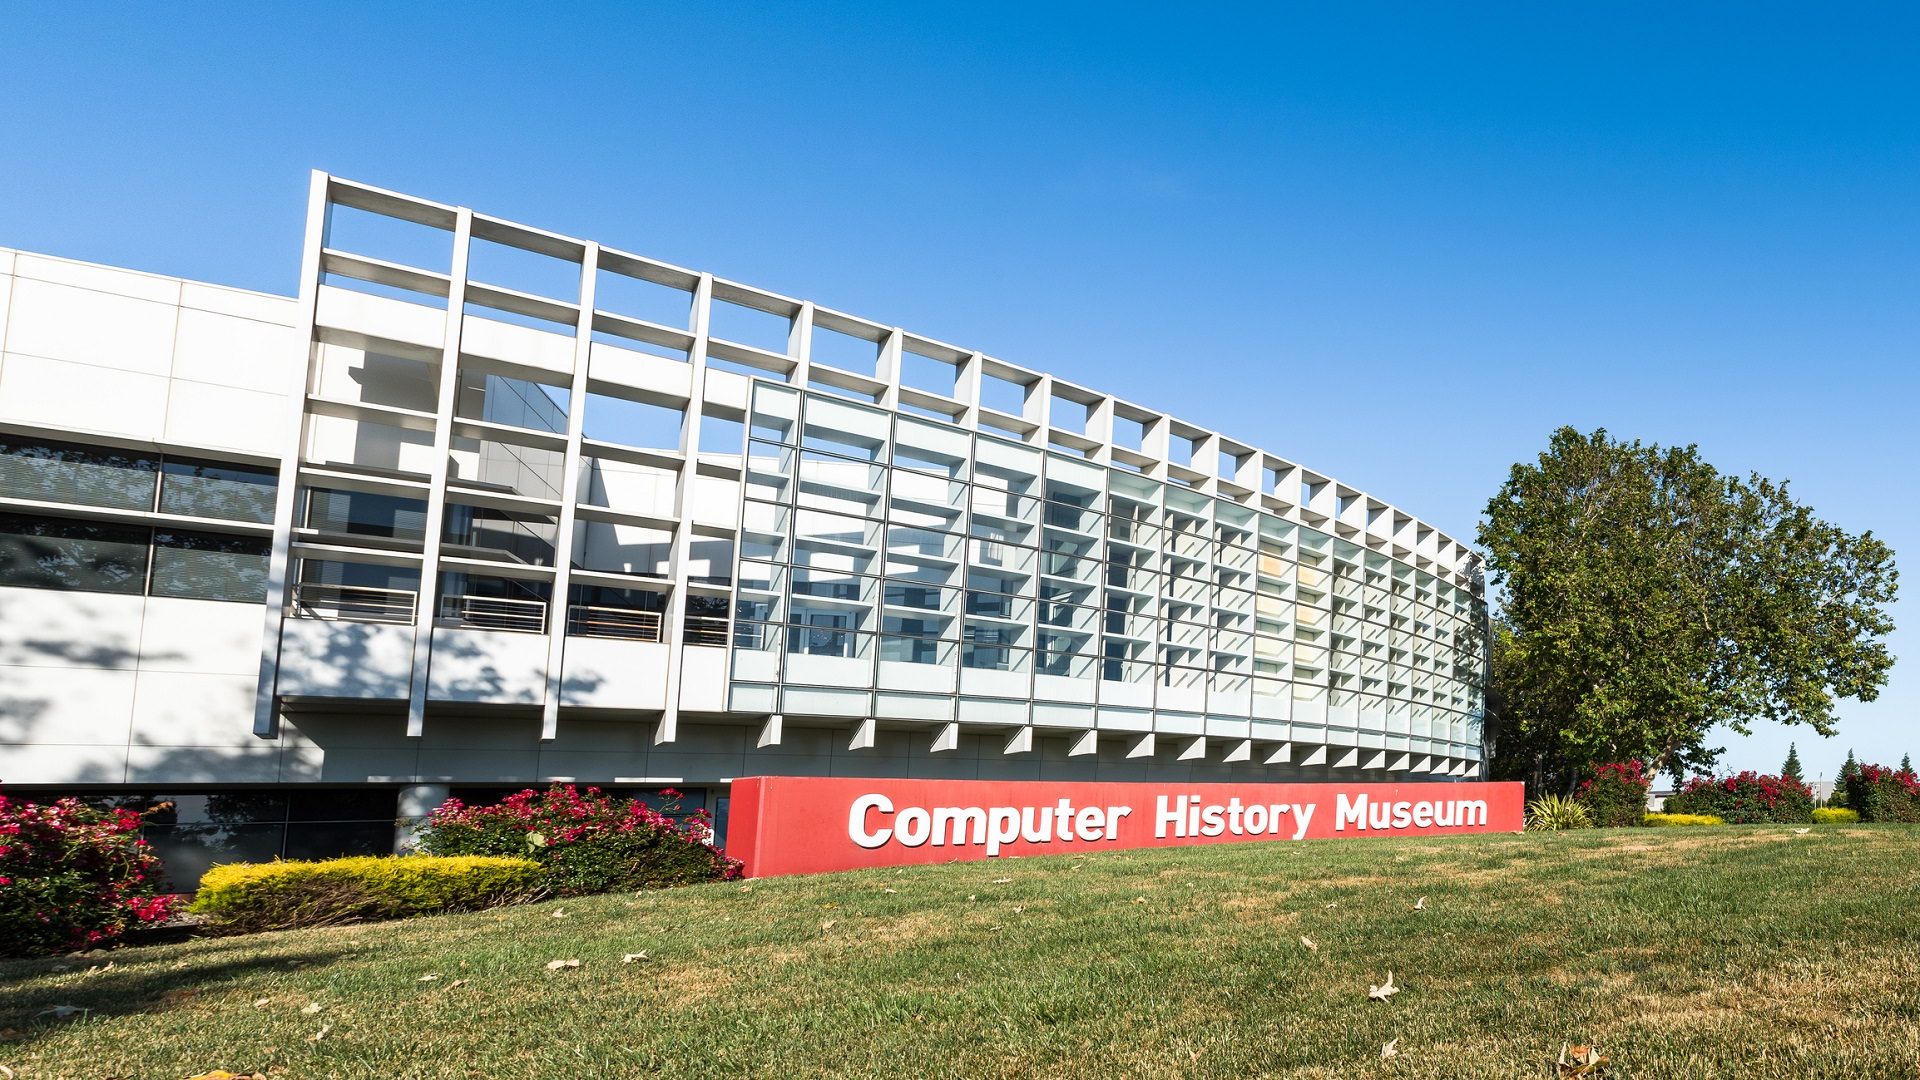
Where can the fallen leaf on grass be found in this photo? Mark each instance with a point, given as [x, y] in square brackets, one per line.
[1580, 1060]
[746, 888]
[1796, 832]
[891, 890]
[1139, 899]
[321, 1034]
[456, 982]
[827, 925]
[559, 913]
[1334, 904]
[61, 1012]
[633, 957]
[1391, 1048]
[971, 898]
[1018, 910]
[1003, 881]
[261, 1003]
[311, 1009]
[1420, 904]
[995, 929]
[426, 978]
[556, 965]
[97, 968]
[1308, 942]
[1384, 991]
[218, 1074]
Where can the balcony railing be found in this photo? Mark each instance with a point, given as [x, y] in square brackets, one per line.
[627, 624]
[352, 603]
[494, 613]
[705, 630]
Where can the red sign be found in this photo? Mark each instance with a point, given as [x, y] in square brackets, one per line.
[806, 825]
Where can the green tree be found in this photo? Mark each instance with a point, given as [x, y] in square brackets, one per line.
[1648, 598]
[1792, 765]
[1906, 763]
[1848, 768]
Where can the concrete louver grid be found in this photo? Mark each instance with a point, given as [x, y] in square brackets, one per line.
[1424, 653]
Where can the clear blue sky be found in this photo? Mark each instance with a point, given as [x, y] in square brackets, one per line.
[1397, 244]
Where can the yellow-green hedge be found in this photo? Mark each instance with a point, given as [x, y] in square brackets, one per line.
[1835, 815]
[1682, 819]
[280, 895]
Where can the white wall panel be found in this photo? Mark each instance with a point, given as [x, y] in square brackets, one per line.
[201, 635]
[89, 327]
[255, 764]
[61, 763]
[606, 673]
[343, 659]
[85, 706]
[54, 628]
[56, 393]
[478, 665]
[181, 708]
[227, 417]
[226, 351]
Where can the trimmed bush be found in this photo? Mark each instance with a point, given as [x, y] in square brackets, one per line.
[585, 842]
[283, 895]
[1834, 815]
[1878, 793]
[73, 877]
[1680, 820]
[1553, 813]
[1617, 795]
[1748, 798]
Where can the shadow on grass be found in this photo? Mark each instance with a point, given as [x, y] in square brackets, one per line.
[39, 997]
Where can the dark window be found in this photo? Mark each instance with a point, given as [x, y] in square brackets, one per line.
[211, 490]
[84, 556]
[66, 473]
[361, 513]
[209, 566]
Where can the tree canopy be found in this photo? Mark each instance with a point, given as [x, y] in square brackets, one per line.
[1647, 598]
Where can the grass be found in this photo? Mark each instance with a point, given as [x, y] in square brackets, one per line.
[1736, 951]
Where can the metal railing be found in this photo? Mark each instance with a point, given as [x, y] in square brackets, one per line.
[705, 630]
[352, 603]
[628, 624]
[494, 613]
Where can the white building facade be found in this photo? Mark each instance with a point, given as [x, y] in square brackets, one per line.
[485, 506]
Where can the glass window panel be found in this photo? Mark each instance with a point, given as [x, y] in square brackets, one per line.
[208, 566]
[999, 605]
[83, 556]
[989, 656]
[67, 473]
[914, 649]
[843, 428]
[213, 490]
[775, 411]
[930, 447]
[363, 513]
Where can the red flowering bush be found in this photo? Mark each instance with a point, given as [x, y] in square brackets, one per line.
[73, 877]
[585, 841]
[1617, 794]
[1878, 793]
[1747, 798]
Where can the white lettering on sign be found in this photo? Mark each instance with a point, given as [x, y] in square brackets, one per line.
[873, 821]
[1362, 813]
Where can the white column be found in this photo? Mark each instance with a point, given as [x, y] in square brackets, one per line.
[569, 496]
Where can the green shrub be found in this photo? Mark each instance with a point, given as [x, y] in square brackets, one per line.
[282, 895]
[1878, 793]
[73, 877]
[1554, 813]
[585, 842]
[1617, 795]
[1673, 820]
[1748, 798]
[1835, 815]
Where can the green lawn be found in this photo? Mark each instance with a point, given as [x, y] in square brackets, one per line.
[1738, 952]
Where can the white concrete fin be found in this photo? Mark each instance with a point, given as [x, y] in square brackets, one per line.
[947, 739]
[1194, 750]
[1020, 742]
[864, 734]
[1348, 760]
[1376, 760]
[1280, 754]
[1318, 757]
[770, 731]
[1087, 742]
[1142, 747]
[1242, 751]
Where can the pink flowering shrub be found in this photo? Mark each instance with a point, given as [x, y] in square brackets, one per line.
[1882, 794]
[73, 877]
[585, 841]
[1616, 797]
[1747, 798]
